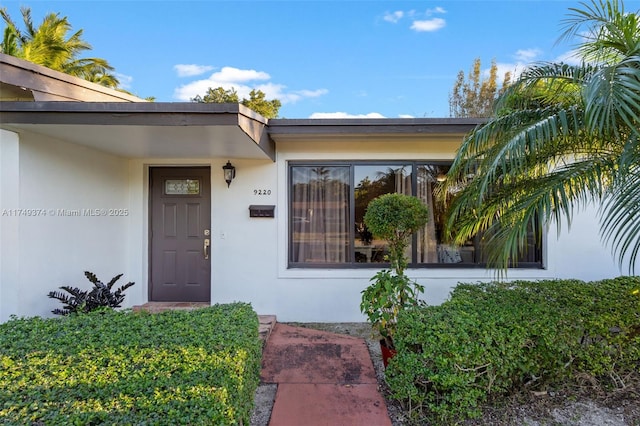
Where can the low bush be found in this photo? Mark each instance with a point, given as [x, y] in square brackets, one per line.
[490, 340]
[108, 367]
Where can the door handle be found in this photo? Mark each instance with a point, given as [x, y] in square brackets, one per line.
[207, 244]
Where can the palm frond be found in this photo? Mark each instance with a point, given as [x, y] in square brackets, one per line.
[621, 217]
[545, 84]
[607, 32]
[28, 22]
[52, 45]
[10, 42]
[505, 142]
[536, 191]
[564, 136]
[612, 98]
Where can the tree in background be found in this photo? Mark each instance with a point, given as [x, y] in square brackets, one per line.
[566, 136]
[475, 96]
[49, 45]
[218, 96]
[257, 100]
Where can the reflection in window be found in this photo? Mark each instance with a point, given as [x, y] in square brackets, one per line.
[429, 178]
[320, 214]
[328, 204]
[372, 181]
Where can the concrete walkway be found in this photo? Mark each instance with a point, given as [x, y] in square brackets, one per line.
[322, 378]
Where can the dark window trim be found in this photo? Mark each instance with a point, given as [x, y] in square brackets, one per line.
[351, 264]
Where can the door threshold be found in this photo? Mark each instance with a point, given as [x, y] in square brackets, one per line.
[155, 307]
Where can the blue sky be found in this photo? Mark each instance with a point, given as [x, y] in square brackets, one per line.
[320, 58]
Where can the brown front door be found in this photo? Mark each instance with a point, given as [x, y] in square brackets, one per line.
[180, 224]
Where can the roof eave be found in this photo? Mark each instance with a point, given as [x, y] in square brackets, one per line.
[148, 114]
[313, 129]
[46, 84]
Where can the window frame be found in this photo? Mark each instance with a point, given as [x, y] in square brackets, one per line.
[351, 263]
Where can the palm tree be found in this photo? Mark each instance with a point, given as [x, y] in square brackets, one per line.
[564, 136]
[48, 45]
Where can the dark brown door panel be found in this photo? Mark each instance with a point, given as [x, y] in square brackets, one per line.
[180, 220]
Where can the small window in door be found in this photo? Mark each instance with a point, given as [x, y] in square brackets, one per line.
[182, 187]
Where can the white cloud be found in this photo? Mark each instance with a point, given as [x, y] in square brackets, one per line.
[236, 75]
[296, 95]
[406, 116]
[571, 57]
[190, 70]
[393, 17]
[428, 25]
[345, 115]
[124, 80]
[312, 93]
[278, 91]
[243, 81]
[527, 55]
[437, 9]
[523, 57]
[420, 25]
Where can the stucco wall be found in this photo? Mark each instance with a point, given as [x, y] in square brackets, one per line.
[245, 250]
[248, 255]
[68, 215]
[334, 295]
[9, 224]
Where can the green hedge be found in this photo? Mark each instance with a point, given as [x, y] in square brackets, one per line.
[489, 340]
[179, 367]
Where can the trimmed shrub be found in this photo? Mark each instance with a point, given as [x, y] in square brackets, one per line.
[489, 340]
[396, 217]
[108, 367]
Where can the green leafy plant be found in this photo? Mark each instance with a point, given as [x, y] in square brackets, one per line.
[100, 296]
[395, 218]
[385, 297]
[491, 340]
[199, 367]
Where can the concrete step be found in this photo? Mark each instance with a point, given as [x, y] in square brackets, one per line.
[267, 322]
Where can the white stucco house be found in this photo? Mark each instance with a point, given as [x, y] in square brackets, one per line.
[94, 179]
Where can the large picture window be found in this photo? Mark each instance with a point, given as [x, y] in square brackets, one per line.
[328, 201]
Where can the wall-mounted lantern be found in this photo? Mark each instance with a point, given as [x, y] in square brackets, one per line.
[229, 173]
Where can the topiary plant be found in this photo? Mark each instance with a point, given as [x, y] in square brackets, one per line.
[395, 218]
[78, 301]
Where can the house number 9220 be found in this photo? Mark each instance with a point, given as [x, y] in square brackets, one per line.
[261, 192]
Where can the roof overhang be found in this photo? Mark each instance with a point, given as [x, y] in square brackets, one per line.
[368, 129]
[22, 80]
[147, 129]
